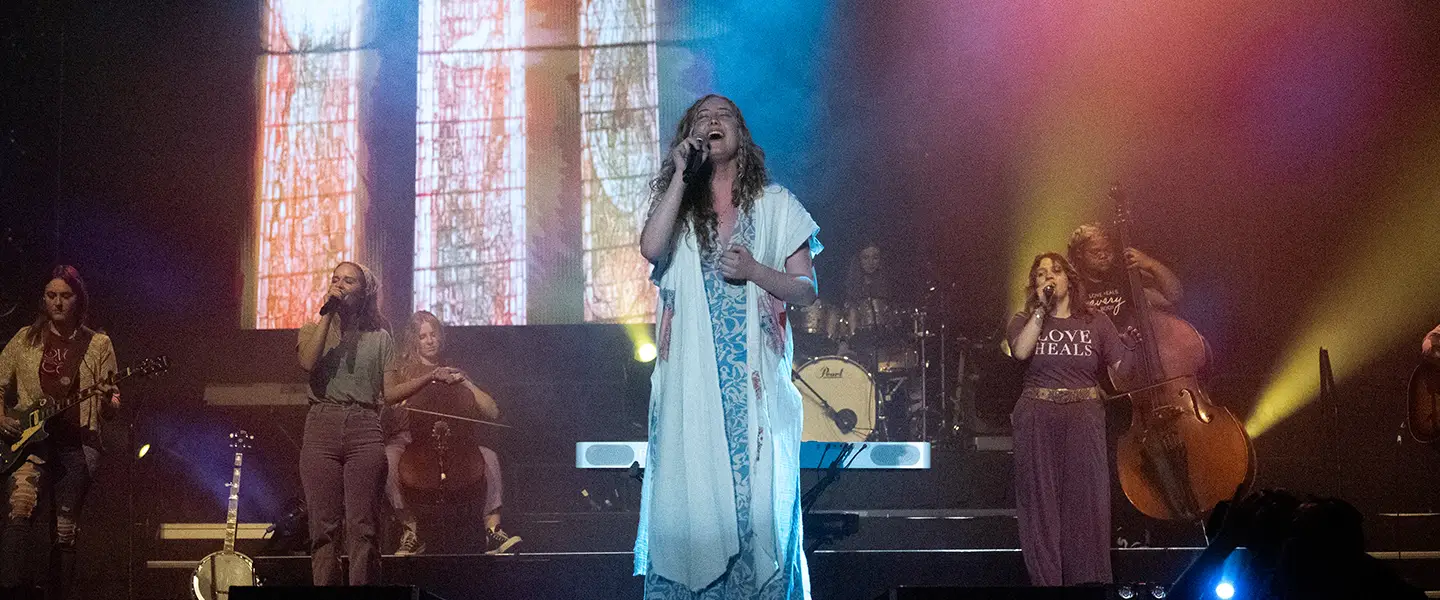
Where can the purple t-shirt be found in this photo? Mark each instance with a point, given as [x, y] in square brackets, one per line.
[1072, 352]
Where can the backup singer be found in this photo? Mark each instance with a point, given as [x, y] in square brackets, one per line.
[421, 366]
[720, 509]
[1062, 473]
[54, 357]
[342, 457]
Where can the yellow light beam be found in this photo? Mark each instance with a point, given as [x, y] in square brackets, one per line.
[1069, 172]
[1384, 289]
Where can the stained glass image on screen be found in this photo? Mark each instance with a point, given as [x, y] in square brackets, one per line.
[620, 152]
[534, 147]
[470, 162]
[306, 165]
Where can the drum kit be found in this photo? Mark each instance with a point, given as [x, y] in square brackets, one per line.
[861, 371]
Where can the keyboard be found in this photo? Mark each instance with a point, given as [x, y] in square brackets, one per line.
[813, 455]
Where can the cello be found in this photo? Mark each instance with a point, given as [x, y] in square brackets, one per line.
[443, 459]
[1182, 452]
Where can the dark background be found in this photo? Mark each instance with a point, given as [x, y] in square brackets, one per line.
[128, 150]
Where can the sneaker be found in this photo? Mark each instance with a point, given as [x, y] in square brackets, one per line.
[410, 544]
[499, 541]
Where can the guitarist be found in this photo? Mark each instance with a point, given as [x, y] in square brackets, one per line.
[52, 358]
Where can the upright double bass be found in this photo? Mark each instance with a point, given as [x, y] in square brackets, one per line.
[1182, 452]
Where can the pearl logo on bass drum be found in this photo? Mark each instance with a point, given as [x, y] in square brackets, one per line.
[839, 399]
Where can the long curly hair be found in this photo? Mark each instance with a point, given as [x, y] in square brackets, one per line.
[696, 211]
[1078, 307]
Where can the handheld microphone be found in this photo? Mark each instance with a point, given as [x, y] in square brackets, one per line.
[1048, 292]
[693, 163]
[332, 304]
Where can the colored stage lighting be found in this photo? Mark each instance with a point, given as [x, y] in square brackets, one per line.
[645, 352]
[1225, 590]
[1372, 299]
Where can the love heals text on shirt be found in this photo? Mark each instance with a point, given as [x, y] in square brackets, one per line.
[1065, 342]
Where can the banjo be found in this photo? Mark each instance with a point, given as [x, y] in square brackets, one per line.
[221, 570]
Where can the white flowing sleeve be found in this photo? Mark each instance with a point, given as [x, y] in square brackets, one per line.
[797, 228]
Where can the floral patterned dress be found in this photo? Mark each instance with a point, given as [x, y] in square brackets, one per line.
[728, 321]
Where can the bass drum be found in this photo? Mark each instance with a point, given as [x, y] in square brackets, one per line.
[849, 392]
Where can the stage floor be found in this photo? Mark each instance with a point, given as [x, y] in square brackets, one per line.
[835, 574]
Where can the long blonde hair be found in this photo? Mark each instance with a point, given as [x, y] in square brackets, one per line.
[410, 347]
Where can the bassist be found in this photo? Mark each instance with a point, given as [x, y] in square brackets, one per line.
[52, 358]
[1096, 256]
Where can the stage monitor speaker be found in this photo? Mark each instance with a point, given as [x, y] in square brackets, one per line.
[363, 592]
[1083, 592]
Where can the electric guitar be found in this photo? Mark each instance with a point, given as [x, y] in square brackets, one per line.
[32, 422]
[219, 571]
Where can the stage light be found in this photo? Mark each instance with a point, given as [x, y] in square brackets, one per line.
[1157, 592]
[1373, 300]
[1124, 592]
[145, 449]
[1225, 590]
[642, 341]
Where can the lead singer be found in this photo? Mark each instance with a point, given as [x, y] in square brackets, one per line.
[720, 510]
[1062, 468]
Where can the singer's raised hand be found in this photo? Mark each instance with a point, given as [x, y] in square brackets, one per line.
[681, 154]
[1043, 296]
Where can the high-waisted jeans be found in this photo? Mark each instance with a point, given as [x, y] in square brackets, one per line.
[342, 468]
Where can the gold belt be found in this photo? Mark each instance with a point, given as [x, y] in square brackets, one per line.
[1062, 395]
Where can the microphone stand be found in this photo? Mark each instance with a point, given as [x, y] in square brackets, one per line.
[1330, 397]
[131, 468]
[836, 468]
[881, 404]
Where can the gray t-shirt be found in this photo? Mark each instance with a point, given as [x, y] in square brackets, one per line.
[352, 368]
[1072, 351]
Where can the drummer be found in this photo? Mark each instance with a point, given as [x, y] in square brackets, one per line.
[869, 307]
